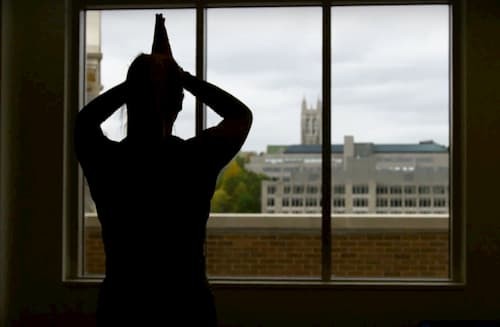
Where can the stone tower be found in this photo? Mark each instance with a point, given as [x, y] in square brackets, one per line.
[93, 55]
[311, 127]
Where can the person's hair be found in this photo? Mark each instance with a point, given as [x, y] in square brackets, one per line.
[154, 89]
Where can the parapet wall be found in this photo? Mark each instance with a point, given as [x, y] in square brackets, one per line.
[251, 245]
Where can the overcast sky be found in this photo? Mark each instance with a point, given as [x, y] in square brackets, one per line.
[389, 70]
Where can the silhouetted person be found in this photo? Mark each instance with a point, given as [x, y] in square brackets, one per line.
[152, 191]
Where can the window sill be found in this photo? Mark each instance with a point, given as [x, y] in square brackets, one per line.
[339, 283]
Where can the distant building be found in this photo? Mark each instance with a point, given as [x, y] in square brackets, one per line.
[311, 128]
[366, 178]
[93, 86]
[93, 55]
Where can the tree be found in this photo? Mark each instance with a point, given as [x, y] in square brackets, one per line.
[221, 201]
[238, 189]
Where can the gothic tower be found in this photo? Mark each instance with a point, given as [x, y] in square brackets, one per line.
[311, 127]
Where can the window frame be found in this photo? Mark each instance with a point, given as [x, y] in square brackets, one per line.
[73, 231]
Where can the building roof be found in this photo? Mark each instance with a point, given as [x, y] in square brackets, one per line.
[273, 149]
[422, 147]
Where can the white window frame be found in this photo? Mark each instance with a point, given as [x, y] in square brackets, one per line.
[73, 229]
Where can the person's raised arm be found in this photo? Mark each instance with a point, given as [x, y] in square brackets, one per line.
[88, 133]
[237, 118]
[226, 138]
[161, 44]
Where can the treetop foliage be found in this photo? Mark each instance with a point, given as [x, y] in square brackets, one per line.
[238, 189]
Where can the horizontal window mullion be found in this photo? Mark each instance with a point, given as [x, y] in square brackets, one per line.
[151, 4]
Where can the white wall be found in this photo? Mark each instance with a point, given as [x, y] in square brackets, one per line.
[31, 186]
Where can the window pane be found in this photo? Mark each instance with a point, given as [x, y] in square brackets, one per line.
[113, 39]
[273, 64]
[390, 127]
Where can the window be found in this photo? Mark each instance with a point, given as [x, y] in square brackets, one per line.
[359, 189]
[383, 61]
[311, 189]
[410, 202]
[311, 202]
[410, 189]
[360, 202]
[382, 202]
[102, 42]
[396, 190]
[439, 202]
[396, 202]
[298, 189]
[382, 189]
[424, 189]
[338, 202]
[424, 202]
[261, 70]
[386, 134]
[438, 189]
[338, 189]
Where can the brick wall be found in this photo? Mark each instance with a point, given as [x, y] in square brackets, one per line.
[354, 254]
[403, 254]
[94, 251]
[263, 255]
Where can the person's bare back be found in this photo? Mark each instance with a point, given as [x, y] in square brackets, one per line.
[153, 190]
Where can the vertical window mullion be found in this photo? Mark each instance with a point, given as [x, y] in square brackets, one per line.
[456, 204]
[326, 237]
[76, 267]
[201, 67]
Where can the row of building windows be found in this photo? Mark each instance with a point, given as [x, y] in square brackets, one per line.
[297, 189]
[361, 202]
[295, 202]
[342, 211]
[424, 202]
[363, 189]
[410, 189]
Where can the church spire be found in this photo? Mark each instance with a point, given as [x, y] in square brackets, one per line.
[304, 104]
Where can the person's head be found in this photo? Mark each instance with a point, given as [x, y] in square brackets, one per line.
[155, 94]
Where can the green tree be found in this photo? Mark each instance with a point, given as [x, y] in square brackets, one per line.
[238, 189]
[221, 201]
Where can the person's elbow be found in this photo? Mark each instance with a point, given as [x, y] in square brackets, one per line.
[248, 117]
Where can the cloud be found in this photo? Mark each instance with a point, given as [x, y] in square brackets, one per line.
[389, 73]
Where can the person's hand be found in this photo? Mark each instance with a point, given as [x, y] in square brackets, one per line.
[161, 44]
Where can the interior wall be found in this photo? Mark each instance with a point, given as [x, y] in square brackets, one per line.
[483, 154]
[32, 112]
[3, 227]
[32, 123]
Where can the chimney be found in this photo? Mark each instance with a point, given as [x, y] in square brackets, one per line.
[348, 148]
